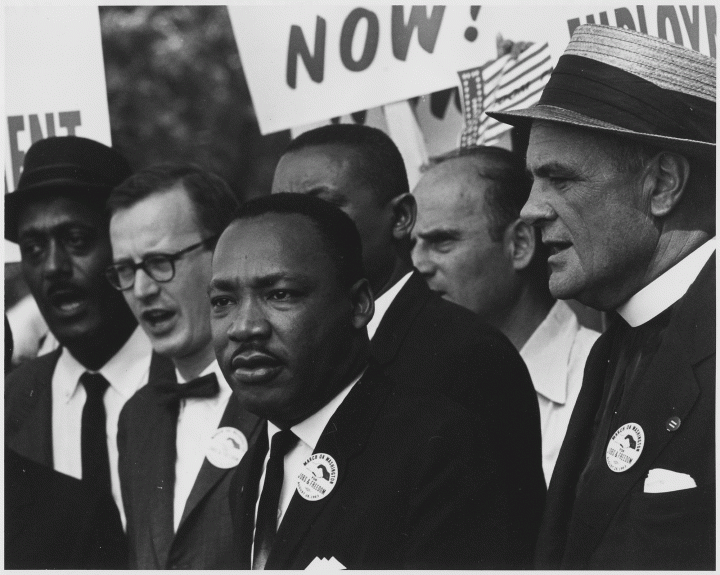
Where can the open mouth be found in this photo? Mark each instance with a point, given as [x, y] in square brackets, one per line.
[68, 300]
[157, 319]
[254, 367]
[557, 247]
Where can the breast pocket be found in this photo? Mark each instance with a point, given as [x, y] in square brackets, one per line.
[673, 530]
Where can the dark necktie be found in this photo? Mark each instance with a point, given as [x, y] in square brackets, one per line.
[93, 435]
[266, 524]
[205, 386]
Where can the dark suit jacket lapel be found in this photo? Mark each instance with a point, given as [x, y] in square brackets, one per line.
[343, 437]
[34, 410]
[158, 455]
[398, 318]
[209, 475]
[668, 388]
[573, 457]
[244, 494]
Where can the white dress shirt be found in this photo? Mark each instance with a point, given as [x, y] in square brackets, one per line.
[198, 419]
[383, 303]
[555, 356]
[127, 371]
[665, 290]
[308, 433]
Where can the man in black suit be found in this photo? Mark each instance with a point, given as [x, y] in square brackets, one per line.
[178, 443]
[622, 149]
[61, 409]
[361, 472]
[419, 339]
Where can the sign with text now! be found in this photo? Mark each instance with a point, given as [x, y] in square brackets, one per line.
[306, 64]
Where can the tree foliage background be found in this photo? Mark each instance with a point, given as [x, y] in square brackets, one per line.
[177, 92]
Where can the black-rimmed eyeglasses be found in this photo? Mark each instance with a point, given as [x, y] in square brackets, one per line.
[160, 267]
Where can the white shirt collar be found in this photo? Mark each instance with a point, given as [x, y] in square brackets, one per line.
[665, 290]
[310, 429]
[383, 303]
[540, 352]
[214, 367]
[123, 371]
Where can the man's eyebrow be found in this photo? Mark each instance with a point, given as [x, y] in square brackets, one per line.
[552, 169]
[329, 194]
[439, 234]
[221, 285]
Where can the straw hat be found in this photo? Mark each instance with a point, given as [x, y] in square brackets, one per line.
[65, 165]
[633, 85]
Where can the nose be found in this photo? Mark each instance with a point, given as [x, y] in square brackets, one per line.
[249, 323]
[144, 287]
[537, 210]
[58, 262]
[422, 260]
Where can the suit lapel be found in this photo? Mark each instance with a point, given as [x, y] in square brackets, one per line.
[159, 458]
[344, 436]
[34, 412]
[398, 318]
[244, 494]
[209, 475]
[668, 388]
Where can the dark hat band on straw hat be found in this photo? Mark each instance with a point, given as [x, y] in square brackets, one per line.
[612, 95]
[630, 84]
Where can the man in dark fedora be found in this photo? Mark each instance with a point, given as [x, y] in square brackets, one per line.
[61, 409]
[622, 150]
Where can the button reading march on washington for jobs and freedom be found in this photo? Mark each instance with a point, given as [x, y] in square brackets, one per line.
[227, 446]
[625, 447]
[318, 477]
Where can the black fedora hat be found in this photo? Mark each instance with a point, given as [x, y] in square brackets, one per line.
[66, 165]
[633, 85]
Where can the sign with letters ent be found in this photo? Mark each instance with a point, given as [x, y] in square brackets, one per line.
[54, 82]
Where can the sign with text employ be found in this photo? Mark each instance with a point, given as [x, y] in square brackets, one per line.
[305, 64]
[54, 81]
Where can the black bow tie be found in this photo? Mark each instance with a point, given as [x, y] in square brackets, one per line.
[205, 386]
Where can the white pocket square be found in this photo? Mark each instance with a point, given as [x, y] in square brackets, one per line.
[331, 564]
[664, 481]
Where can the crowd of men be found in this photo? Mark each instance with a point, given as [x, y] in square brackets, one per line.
[350, 374]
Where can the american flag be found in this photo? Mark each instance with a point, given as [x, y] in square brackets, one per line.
[508, 83]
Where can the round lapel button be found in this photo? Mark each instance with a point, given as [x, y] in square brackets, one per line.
[673, 423]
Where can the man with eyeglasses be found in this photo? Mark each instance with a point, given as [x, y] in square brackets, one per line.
[61, 409]
[178, 441]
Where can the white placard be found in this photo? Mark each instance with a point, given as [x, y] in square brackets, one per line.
[305, 64]
[54, 82]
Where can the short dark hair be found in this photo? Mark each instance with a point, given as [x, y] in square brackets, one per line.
[511, 188]
[381, 165]
[214, 201]
[336, 229]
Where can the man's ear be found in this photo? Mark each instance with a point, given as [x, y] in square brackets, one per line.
[519, 239]
[666, 176]
[363, 303]
[404, 214]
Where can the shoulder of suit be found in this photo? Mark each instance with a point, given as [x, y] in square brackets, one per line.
[32, 375]
[25, 386]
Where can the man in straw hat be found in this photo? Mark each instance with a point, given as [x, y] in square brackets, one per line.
[61, 409]
[622, 150]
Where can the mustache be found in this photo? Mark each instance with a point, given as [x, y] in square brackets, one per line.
[252, 351]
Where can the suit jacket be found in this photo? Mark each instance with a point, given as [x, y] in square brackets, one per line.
[28, 404]
[429, 343]
[146, 446]
[411, 492]
[28, 433]
[615, 524]
[53, 521]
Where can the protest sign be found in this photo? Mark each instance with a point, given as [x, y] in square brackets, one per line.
[54, 82]
[305, 64]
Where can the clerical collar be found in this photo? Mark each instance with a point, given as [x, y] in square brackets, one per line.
[665, 290]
